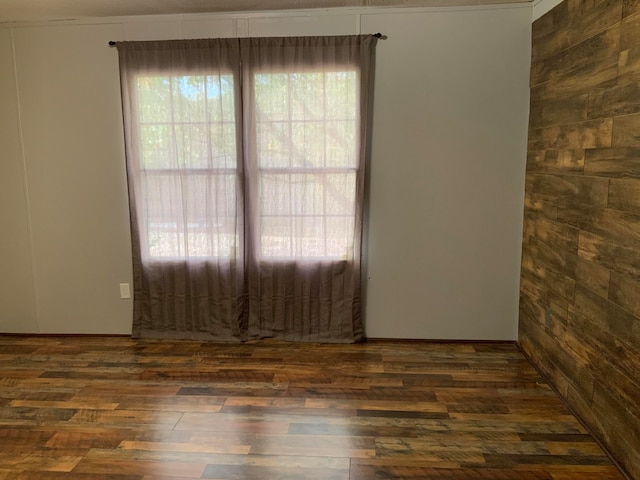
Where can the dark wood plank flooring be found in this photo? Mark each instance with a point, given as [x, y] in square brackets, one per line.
[98, 408]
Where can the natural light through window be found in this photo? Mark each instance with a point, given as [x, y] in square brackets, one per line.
[306, 139]
[188, 151]
[306, 159]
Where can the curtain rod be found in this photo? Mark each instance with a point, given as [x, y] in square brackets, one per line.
[377, 35]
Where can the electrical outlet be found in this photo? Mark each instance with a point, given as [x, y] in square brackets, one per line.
[125, 290]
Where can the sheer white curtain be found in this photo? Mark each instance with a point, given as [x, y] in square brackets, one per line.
[246, 177]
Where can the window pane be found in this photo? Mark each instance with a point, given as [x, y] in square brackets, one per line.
[192, 142]
[341, 144]
[157, 147]
[340, 236]
[307, 215]
[306, 119]
[220, 94]
[307, 156]
[191, 216]
[163, 221]
[188, 96]
[275, 195]
[309, 237]
[307, 96]
[341, 194]
[187, 141]
[154, 98]
[274, 144]
[276, 237]
[272, 97]
[308, 194]
[223, 145]
[341, 95]
[308, 139]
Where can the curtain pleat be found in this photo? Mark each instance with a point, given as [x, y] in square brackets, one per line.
[246, 166]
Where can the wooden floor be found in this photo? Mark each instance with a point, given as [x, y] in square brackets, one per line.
[114, 408]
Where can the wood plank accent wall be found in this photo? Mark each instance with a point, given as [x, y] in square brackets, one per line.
[580, 280]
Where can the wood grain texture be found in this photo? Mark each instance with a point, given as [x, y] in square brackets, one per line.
[624, 194]
[561, 112]
[616, 258]
[593, 276]
[553, 20]
[271, 410]
[630, 33]
[612, 162]
[579, 307]
[585, 82]
[626, 131]
[590, 134]
[629, 7]
[573, 189]
[629, 64]
[570, 29]
[610, 101]
[587, 57]
[556, 161]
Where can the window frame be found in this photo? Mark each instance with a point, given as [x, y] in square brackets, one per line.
[143, 172]
[249, 79]
[253, 242]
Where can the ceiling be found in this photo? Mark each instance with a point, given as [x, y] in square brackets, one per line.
[35, 10]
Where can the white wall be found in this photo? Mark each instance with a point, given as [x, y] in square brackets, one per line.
[447, 170]
[447, 176]
[17, 297]
[71, 125]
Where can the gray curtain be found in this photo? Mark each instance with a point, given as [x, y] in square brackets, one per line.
[245, 162]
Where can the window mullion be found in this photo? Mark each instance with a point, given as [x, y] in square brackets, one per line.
[290, 149]
[324, 161]
[307, 175]
[182, 251]
[207, 188]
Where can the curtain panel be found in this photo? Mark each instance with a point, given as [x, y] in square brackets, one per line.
[246, 165]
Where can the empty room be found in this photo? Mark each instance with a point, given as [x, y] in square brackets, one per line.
[320, 239]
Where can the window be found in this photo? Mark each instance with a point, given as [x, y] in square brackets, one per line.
[307, 157]
[187, 129]
[245, 167]
[307, 160]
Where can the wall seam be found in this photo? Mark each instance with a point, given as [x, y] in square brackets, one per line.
[25, 180]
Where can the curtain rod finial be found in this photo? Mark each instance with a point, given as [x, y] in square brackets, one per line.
[379, 35]
[112, 43]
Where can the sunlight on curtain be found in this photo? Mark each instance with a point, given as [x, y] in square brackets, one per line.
[307, 150]
[188, 166]
[245, 161]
